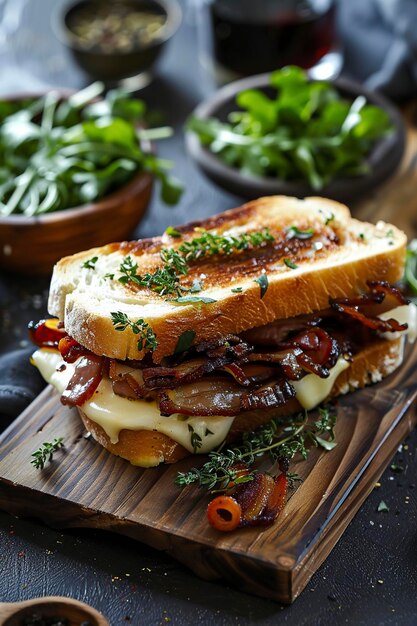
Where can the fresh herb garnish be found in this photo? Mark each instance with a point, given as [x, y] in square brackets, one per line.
[192, 299]
[146, 340]
[109, 276]
[185, 341]
[56, 154]
[262, 281]
[166, 280]
[46, 452]
[173, 232]
[281, 439]
[290, 264]
[237, 290]
[307, 131]
[208, 243]
[295, 232]
[382, 507]
[90, 264]
[196, 440]
[329, 218]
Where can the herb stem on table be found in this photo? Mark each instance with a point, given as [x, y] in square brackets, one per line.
[281, 438]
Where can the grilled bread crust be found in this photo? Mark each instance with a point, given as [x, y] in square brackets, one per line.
[335, 262]
[149, 448]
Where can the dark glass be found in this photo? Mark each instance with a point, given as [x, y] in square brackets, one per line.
[245, 37]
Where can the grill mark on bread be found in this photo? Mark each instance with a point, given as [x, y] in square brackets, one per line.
[219, 270]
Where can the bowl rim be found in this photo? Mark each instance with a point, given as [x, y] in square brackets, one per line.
[209, 162]
[67, 37]
[66, 215]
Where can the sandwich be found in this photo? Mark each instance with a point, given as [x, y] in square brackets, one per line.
[172, 345]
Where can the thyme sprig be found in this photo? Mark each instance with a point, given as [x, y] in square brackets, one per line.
[146, 337]
[208, 243]
[281, 439]
[46, 451]
[165, 280]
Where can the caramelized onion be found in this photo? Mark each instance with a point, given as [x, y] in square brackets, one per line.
[381, 286]
[206, 397]
[267, 397]
[71, 350]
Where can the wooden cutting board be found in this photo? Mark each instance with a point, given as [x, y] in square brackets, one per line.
[85, 486]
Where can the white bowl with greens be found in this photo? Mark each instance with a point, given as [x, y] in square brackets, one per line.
[283, 133]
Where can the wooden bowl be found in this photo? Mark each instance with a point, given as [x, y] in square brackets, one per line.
[75, 612]
[383, 160]
[33, 244]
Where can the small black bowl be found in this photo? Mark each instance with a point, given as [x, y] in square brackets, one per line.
[383, 160]
[115, 65]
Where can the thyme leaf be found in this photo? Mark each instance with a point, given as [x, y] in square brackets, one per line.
[90, 264]
[290, 264]
[196, 440]
[295, 232]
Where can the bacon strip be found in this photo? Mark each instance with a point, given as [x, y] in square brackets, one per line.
[375, 323]
[85, 380]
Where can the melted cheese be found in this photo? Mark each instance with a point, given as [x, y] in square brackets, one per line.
[114, 413]
[312, 389]
[405, 314]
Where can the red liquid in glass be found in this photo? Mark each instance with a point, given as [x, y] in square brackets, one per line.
[295, 37]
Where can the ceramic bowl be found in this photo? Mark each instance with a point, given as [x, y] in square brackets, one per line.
[383, 160]
[114, 65]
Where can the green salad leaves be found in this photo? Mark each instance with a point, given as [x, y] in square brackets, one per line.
[295, 130]
[56, 154]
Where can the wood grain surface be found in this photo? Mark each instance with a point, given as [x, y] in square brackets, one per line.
[87, 487]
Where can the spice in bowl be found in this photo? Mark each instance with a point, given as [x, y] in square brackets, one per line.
[118, 27]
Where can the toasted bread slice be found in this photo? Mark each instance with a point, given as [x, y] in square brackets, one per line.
[302, 275]
[150, 448]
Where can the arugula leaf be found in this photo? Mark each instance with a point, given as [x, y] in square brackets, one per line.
[55, 155]
[307, 131]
